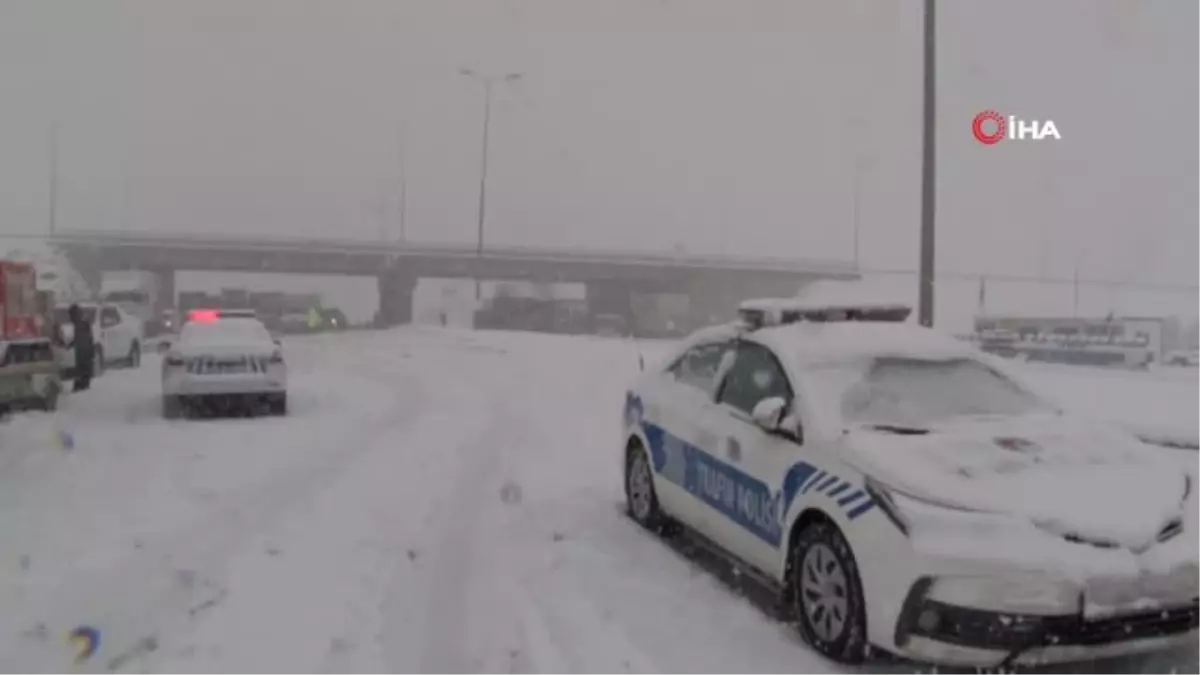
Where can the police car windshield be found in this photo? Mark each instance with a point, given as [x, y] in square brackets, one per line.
[919, 393]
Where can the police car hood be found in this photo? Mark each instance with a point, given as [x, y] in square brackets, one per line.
[1082, 482]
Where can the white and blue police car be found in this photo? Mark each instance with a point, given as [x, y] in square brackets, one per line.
[904, 492]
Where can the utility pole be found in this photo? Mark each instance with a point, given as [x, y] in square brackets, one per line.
[1075, 293]
[403, 186]
[928, 169]
[1075, 284]
[855, 199]
[487, 81]
[53, 178]
[125, 198]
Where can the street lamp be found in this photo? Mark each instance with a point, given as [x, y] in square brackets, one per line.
[928, 172]
[487, 81]
[52, 193]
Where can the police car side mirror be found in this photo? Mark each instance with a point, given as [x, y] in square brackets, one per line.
[769, 412]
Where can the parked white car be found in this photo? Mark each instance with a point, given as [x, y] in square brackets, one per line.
[224, 363]
[118, 336]
[902, 491]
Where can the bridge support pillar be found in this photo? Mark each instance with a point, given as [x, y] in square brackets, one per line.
[166, 284]
[395, 297]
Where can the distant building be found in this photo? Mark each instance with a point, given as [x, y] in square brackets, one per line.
[1108, 340]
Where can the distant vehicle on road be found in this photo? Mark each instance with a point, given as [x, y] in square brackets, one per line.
[118, 336]
[294, 322]
[610, 325]
[1184, 357]
[138, 293]
[28, 367]
[334, 319]
[224, 364]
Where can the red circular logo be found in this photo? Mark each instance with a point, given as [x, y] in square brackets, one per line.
[989, 137]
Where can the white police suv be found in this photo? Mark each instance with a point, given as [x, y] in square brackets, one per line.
[904, 492]
[223, 360]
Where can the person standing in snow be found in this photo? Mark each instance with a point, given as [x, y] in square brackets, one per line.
[84, 346]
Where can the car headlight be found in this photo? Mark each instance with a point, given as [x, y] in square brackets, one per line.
[1019, 594]
[908, 512]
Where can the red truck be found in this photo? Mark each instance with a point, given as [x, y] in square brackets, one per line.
[28, 367]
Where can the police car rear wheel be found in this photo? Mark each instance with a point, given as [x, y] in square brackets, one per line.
[640, 498]
[827, 593]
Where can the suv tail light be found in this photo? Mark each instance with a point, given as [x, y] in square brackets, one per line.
[174, 360]
[277, 357]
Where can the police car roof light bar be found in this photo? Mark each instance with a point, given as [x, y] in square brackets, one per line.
[761, 313]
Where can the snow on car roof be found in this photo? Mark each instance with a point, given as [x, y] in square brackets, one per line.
[851, 341]
[820, 342]
[829, 301]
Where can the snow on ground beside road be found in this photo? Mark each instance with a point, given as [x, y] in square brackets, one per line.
[438, 500]
[1164, 400]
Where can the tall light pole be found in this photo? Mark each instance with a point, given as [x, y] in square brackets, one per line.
[487, 81]
[860, 166]
[52, 207]
[928, 169]
[403, 216]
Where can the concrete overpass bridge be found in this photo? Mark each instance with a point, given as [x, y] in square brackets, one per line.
[714, 284]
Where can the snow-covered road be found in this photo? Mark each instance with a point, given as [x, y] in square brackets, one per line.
[437, 501]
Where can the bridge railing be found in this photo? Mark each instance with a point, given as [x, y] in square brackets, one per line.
[404, 249]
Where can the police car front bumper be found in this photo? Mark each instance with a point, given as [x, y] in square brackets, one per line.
[931, 628]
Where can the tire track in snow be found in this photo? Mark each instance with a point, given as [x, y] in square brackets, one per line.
[451, 602]
[446, 611]
[560, 621]
[487, 606]
[353, 542]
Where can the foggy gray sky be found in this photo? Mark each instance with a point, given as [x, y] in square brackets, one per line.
[722, 125]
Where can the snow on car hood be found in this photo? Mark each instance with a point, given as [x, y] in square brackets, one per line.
[1089, 483]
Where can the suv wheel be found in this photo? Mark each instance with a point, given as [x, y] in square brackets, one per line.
[641, 501]
[827, 594]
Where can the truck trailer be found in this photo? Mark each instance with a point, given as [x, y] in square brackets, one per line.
[29, 375]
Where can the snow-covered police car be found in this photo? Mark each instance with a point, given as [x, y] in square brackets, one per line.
[222, 359]
[905, 491]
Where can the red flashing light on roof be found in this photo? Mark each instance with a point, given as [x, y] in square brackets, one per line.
[203, 315]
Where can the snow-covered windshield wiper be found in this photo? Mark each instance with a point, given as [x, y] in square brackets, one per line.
[898, 429]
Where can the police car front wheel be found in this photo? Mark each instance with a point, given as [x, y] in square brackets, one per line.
[640, 498]
[827, 593]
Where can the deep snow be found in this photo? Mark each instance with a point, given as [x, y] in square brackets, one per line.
[436, 501]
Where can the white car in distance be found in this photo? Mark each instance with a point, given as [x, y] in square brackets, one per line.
[117, 335]
[224, 363]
